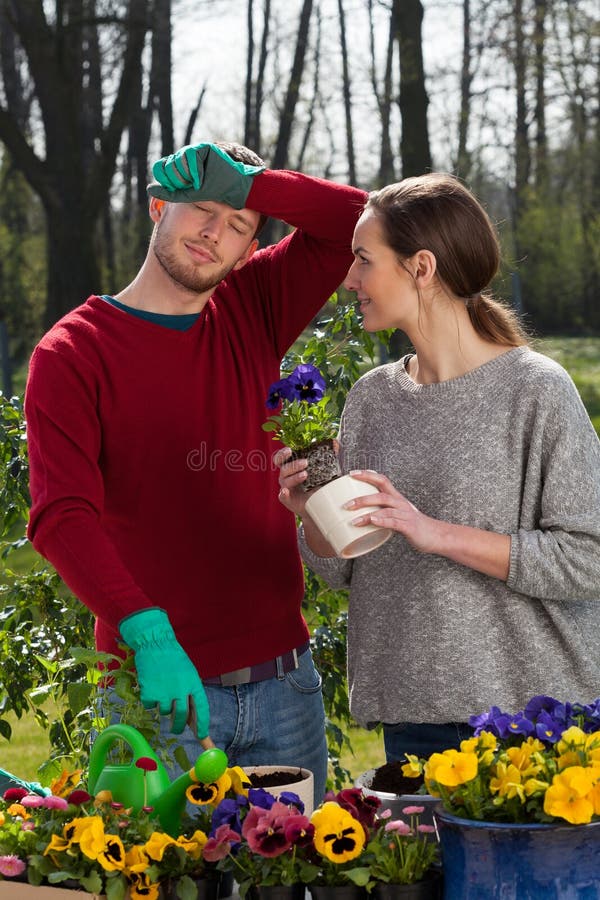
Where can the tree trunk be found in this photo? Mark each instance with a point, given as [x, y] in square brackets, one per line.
[161, 73]
[250, 112]
[346, 90]
[383, 98]
[280, 157]
[282, 148]
[414, 145]
[71, 180]
[463, 159]
[522, 154]
[541, 141]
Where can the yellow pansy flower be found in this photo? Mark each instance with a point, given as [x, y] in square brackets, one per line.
[567, 796]
[571, 739]
[240, 782]
[507, 782]
[211, 793]
[534, 786]
[413, 768]
[57, 843]
[194, 844]
[136, 859]
[157, 843]
[66, 781]
[520, 758]
[90, 834]
[451, 767]
[338, 837]
[141, 888]
[103, 798]
[112, 858]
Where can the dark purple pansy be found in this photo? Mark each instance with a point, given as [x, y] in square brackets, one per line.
[299, 831]
[548, 729]
[291, 799]
[307, 383]
[538, 704]
[261, 798]
[487, 721]
[518, 725]
[228, 813]
[358, 805]
[280, 390]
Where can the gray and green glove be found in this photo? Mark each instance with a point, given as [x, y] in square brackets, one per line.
[202, 172]
[166, 675]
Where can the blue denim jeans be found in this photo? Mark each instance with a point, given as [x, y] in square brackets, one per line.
[279, 721]
[422, 739]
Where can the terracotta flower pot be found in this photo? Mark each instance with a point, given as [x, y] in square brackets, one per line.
[326, 509]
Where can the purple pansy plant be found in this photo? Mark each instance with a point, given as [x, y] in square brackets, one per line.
[303, 414]
[543, 717]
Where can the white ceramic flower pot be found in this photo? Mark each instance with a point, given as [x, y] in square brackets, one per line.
[325, 507]
[304, 788]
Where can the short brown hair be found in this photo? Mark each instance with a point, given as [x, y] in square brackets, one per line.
[436, 212]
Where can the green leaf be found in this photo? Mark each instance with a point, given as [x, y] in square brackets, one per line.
[78, 695]
[359, 876]
[92, 883]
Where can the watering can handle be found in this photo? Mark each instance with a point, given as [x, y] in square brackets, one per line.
[131, 736]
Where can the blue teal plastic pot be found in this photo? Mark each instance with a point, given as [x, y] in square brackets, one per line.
[491, 861]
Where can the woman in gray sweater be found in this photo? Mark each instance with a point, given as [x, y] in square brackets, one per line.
[488, 471]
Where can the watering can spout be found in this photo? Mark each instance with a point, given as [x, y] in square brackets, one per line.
[138, 786]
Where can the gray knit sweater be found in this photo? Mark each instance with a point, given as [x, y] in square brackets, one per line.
[508, 448]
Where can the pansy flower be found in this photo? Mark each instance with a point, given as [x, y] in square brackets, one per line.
[339, 837]
[219, 845]
[307, 383]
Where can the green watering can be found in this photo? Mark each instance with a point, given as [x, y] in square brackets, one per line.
[135, 787]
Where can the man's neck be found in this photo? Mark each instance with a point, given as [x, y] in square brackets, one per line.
[154, 291]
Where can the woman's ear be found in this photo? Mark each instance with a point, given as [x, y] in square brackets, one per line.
[424, 266]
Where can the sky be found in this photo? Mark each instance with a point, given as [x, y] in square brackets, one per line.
[209, 47]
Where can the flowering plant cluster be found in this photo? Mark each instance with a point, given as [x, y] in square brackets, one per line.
[305, 416]
[95, 843]
[345, 841]
[539, 765]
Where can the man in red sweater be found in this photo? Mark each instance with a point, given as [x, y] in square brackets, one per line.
[154, 493]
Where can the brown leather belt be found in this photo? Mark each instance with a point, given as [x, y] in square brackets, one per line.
[272, 668]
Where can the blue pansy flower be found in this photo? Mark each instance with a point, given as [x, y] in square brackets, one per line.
[307, 383]
[280, 390]
[228, 813]
[260, 797]
[291, 799]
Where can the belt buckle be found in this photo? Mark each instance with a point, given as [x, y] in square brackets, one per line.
[239, 676]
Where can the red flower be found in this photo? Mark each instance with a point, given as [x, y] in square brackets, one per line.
[14, 795]
[78, 797]
[146, 763]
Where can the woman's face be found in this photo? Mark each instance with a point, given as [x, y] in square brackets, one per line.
[385, 288]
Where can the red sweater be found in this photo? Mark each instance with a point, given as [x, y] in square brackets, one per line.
[151, 479]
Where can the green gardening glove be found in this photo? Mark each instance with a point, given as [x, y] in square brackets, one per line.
[202, 172]
[166, 675]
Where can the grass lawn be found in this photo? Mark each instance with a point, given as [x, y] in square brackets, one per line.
[29, 745]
